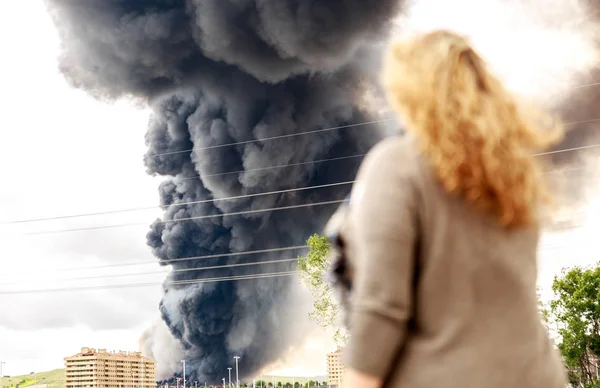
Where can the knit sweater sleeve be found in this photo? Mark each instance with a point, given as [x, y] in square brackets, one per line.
[385, 230]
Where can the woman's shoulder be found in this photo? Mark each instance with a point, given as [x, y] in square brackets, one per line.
[397, 156]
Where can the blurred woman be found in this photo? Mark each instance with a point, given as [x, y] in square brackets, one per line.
[442, 231]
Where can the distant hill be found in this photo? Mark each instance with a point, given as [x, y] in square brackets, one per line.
[53, 379]
[56, 379]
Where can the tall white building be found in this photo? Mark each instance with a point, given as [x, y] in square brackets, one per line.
[335, 367]
[101, 369]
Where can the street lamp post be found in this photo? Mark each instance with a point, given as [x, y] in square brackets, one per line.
[183, 361]
[1, 375]
[237, 376]
[229, 370]
[223, 382]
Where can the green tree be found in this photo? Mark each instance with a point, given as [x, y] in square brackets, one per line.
[326, 310]
[575, 315]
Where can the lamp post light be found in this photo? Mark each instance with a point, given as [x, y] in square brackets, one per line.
[237, 376]
[183, 361]
[223, 382]
[229, 370]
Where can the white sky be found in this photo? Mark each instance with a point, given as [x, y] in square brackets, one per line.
[64, 153]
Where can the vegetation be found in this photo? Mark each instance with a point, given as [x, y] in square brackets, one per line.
[574, 315]
[313, 266]
[286, 383]
[54, 379]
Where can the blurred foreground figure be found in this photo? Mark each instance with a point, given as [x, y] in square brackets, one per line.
[438, 244]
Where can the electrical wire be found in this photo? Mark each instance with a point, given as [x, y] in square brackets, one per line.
[178, 270]
[263, 169]
[81, 215]
[274, 137]
[324, 203]
[168, 261]
[301, 133]
[242, 196]
[180, 204]
[228, 198]
[274, 167]
[586, 147]
[132, 285]
[586, 85]
[181, 282]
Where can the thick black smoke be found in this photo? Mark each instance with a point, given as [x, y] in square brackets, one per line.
[222, 71]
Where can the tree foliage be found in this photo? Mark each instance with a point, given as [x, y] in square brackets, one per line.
[326, 310]
[575, 316]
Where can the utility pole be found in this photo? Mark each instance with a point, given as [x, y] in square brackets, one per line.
[229, 370]
[183, 373]
[237, 376]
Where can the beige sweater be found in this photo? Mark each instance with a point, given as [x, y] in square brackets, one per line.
[442, 297]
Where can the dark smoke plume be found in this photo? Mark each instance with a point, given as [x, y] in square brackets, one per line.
[223, 71]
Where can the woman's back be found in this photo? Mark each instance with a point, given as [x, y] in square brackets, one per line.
[465, 291]
[442, 231]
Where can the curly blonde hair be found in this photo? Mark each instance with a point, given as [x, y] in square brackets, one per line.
[479, 140]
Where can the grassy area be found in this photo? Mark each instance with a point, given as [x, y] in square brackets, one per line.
[56, 379]
[53, 378]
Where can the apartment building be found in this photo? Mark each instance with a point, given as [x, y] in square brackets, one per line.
[102, 369]
[335, 368]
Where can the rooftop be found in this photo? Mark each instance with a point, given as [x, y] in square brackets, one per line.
[103, 352]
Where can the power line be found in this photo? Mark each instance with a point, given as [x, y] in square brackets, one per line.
[236, 197]
[196, 258]
[569, 149]
[304, 133]
[247, 195]
[273, 137]
[132, 285]
[312, 132]
[178, 270]
[167, 261]
[586, 85]
[190, 218]
[179, 204]
[275, 167]
[249, 211]
[181, 282]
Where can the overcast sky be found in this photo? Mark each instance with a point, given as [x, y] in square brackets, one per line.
[64, 153]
